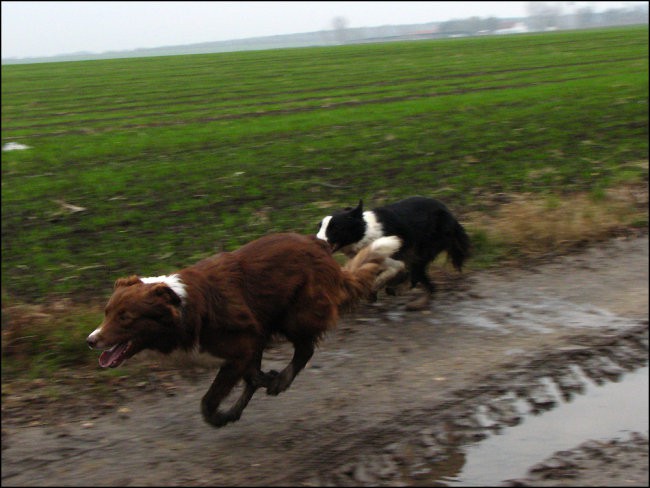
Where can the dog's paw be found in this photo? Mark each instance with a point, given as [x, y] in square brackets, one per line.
[271, 375]
[219, 419]
[421, 303]
[278, 384]
[263, 380]
[216, 417]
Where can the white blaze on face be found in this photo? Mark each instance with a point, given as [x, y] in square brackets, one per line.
[322, 232]
[93, 338]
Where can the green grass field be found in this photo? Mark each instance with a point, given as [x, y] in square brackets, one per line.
[171, 159]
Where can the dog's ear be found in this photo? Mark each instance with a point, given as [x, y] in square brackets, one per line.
[358, 211]
[166, 293]
[131, 280]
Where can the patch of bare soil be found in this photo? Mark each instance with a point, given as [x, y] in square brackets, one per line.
[388, 399]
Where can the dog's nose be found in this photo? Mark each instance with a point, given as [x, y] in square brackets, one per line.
[93, 339]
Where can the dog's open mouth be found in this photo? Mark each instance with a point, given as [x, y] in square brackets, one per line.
[113, 357]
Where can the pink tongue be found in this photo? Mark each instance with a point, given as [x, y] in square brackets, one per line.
[112, 357]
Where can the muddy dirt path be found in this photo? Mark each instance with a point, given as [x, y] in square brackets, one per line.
[389, 398]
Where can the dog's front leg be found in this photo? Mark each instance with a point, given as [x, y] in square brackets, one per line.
[261, 379]
[227, 378]
[229, 375]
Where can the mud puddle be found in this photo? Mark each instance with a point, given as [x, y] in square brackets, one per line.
[613, 410]
[591, 387]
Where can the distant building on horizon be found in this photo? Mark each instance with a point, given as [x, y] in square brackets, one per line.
[512, 28]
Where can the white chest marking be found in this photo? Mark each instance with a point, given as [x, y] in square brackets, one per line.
[374, 231]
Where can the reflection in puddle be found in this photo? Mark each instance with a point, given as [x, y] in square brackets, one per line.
[602, 412]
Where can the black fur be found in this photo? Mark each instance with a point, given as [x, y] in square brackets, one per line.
[425, 225]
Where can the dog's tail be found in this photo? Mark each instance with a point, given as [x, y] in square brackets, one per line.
[368, 269]
[460, 247]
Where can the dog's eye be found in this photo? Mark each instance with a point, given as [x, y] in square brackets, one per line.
[123, 316]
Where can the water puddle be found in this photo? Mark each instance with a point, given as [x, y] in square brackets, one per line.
[612, 410]
[541, 314]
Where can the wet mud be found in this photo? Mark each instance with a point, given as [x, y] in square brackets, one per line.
[391, 398]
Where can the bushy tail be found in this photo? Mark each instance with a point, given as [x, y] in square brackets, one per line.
[460, 247]
[370, 265]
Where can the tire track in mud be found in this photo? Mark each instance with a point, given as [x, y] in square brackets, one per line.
[430, 438]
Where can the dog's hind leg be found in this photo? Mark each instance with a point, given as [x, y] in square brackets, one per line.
[419, 275]
[394, 283]
[303, 351]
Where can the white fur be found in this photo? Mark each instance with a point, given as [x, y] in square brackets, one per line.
[93, 335]
[374, 231]
[393, 268]
[172, 281]
[322, 232]
[386, 246]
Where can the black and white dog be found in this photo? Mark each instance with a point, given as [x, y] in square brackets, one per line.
[425, 225]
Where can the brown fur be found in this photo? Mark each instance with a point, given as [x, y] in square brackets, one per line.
[285, 284]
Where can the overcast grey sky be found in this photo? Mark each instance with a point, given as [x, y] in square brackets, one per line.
[38, 29]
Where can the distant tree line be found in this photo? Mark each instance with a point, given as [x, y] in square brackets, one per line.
[471, 25]
[563, 15]
[543, 16]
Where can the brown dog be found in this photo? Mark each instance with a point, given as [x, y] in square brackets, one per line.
[230, 305]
